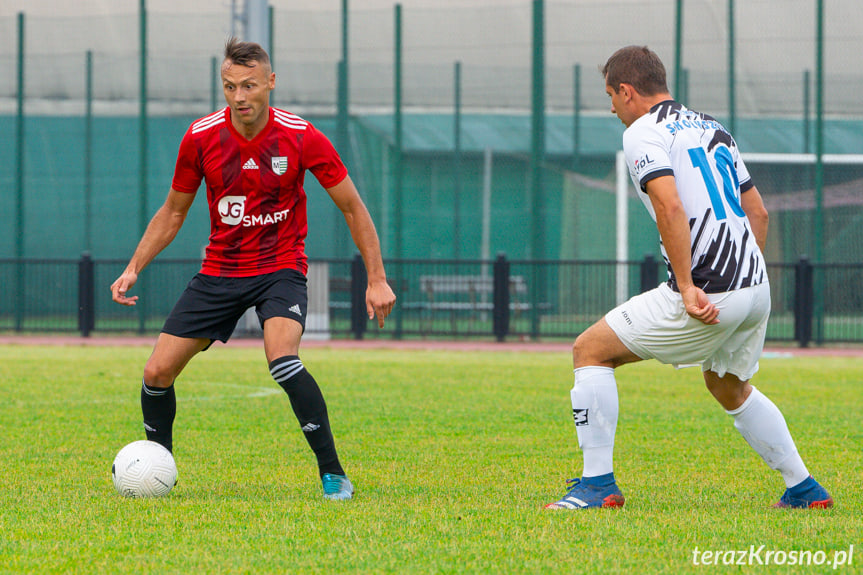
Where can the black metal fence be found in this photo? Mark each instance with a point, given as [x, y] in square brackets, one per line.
[500, 299]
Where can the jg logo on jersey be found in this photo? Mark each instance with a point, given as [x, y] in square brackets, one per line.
[280, 164]
[232, 208]
[233, 212]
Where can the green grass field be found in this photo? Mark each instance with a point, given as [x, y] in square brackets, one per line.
[453, 455]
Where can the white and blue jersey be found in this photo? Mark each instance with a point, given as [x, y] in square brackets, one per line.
[710, 176]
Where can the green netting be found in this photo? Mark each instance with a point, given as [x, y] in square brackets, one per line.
[788, 189]
[441, 209]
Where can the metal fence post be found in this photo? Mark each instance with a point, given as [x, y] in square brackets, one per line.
[803, 300]
[20, 232]
[649, 273]
[500, 297]
[86, 295]
[359, 282]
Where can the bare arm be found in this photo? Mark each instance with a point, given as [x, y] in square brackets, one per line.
[674, 230]
[379, 296]
[161, 230]
[753, 205]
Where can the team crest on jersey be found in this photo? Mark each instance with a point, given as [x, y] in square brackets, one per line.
[280, 164]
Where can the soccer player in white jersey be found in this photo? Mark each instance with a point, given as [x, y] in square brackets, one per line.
[713, 309]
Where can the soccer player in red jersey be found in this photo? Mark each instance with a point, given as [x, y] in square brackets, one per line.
[253, 159]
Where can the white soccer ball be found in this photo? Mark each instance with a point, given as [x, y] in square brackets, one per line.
[144, 469]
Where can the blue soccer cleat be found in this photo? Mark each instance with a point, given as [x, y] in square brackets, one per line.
[601, 491]
[806, 495]
[337, 487]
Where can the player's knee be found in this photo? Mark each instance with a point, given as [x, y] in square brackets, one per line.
[158, 374]
[581, 350]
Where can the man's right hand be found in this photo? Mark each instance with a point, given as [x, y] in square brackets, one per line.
[699, 306]
[123, 284]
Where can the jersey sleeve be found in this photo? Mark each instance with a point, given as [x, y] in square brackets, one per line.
[321, 158]
[188, 171]
[646, 153]
[743, 176]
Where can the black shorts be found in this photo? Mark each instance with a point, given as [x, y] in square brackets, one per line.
[211, 306]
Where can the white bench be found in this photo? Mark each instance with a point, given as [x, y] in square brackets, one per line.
[479, 289]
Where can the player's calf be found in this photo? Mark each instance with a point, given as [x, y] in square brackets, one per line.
[310, 408]
[159, 408]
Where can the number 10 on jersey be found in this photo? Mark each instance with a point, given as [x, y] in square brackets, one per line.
[730, 185]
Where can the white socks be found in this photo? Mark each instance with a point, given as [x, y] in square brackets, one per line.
[763, 427]
[595, 409]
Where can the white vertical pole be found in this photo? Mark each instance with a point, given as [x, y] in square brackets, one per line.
[234, 18]
[386, 166]
[485, 242]
[258, 22]
[485, 250]
[622, 180]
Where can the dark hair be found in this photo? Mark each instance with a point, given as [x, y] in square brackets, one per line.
[638, 66]
[245, 53]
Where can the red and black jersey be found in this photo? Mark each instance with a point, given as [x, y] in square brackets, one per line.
[255, 189]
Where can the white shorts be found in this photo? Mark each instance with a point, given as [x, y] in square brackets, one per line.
[655, 325]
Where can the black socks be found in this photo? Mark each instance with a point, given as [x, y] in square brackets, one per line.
[159, 406]
[310, 409]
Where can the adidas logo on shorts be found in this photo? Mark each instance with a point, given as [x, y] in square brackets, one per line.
[296, 309]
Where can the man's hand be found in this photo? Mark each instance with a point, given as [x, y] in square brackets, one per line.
[698, 306]
[379, 301]
[123, 284]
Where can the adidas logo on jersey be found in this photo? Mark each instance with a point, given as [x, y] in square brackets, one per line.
[296, 309]
[250, 165]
